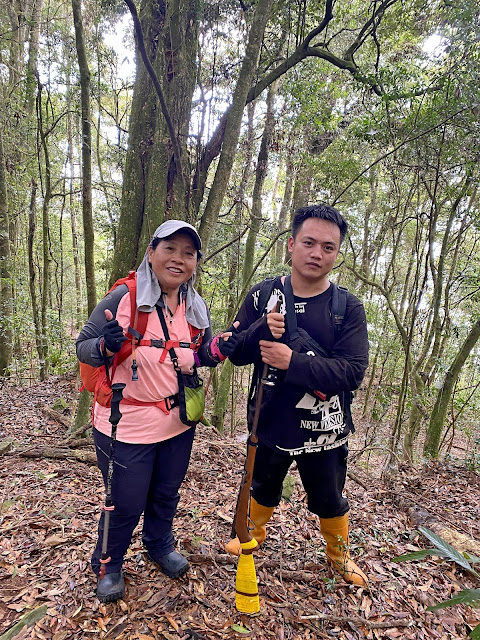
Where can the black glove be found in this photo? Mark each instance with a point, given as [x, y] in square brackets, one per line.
[227, 347]
[113, 336]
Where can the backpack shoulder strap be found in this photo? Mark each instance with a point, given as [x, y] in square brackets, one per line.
[339, 306]
[138, 319]
[290, 304]
[131, 277]
[266, 289]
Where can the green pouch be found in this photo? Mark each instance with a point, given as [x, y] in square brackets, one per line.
[191, 397]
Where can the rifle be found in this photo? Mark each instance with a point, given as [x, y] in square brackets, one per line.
[246, 588]
[114, 419]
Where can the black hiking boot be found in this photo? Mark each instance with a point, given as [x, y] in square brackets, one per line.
[172, 564]
[111, 587]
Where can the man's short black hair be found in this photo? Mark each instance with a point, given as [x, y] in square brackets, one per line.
[323, 211]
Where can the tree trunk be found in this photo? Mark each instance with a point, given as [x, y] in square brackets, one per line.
[416, 416]
[439, 413]
[221, 396]
[98, 136]
[280, 247]
[31, 267]
[225, 378]
[301, 193]
[234, 120]
[30, 79]
[47, 196]
[88, 232]
[260, 174]
[151, 188]
[73, 226]
[6, 292]
[16, 12]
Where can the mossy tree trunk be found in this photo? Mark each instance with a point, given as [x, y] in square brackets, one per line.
[152, 189]
[281, 247]
[32, 215]
[225, 377]
[43, 133]
[73, 225]
[439, 413]
[88, 232]
[24, 19]
[260, 175]
[31, 70]
[84, 401]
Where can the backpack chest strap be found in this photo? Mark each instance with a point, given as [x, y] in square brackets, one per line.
[168, 344]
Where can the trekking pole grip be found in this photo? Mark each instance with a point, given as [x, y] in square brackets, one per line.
[117, 395]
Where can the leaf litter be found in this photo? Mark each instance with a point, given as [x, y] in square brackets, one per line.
[49, 510]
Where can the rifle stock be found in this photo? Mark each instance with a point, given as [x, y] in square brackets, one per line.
[240, 523]
[246, 588]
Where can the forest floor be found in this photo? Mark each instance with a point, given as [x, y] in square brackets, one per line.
[49, 510]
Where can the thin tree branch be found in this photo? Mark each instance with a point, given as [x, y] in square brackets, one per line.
[252, 273]
[389, 153]
[323, 25]
[227, 244]
[368, 28]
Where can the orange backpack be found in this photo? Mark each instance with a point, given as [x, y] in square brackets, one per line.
[98, 380]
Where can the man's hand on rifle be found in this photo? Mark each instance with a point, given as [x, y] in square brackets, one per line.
[275, 354]
[276, 324]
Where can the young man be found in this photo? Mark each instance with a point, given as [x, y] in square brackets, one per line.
[306, 416]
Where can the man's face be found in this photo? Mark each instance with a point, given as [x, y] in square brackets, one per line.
[315, 249]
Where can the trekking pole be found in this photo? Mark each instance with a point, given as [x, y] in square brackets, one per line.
[115, 415]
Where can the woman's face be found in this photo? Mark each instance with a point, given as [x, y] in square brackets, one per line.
[173, 261]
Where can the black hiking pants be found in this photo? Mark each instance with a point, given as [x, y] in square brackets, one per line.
[323, 475]
[146, 479]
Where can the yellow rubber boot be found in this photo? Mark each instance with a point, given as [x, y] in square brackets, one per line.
[260, 515]
[335, 532]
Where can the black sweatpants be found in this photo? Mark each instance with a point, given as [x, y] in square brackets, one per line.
[323, 475]
[146, 479]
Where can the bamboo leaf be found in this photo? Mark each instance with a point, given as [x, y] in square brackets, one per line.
[469, 556]
[468, 596]
[446, 548]
[27, 620]
[239, 629]
[475, 634]
[420, 555]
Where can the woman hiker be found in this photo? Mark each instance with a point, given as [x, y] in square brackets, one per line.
[153, 445]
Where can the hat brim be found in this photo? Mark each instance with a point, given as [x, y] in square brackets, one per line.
[170, 227]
